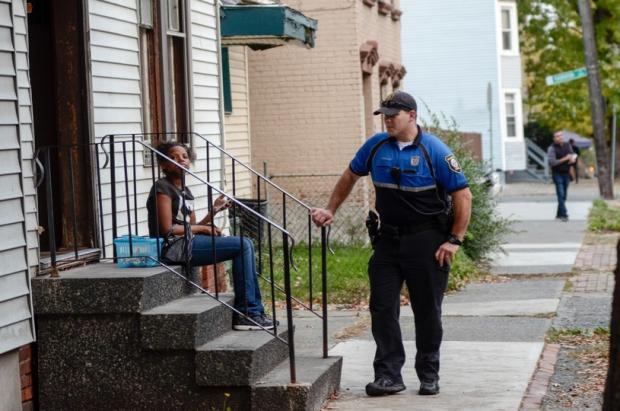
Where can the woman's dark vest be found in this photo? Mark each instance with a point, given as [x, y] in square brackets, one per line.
[561, 151]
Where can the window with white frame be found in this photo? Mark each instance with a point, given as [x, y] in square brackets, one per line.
[510, 102]
[508, 27]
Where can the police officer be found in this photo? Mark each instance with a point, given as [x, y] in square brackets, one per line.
[424, 205]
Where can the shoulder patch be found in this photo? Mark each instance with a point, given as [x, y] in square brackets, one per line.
[453, 164]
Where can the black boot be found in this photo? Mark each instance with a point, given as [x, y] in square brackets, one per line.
[429, 387]
[384, 386]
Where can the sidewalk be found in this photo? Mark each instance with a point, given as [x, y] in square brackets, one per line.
[578, 377]
[493, 332]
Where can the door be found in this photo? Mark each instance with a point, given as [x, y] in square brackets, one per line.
[60, 105]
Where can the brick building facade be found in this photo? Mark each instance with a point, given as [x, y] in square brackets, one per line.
[312, 109]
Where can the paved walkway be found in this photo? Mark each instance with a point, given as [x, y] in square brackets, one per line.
[493, 332]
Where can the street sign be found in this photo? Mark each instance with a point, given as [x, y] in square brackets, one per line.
[566, 76]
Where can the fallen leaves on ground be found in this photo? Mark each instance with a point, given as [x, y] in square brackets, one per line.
[490, 278]
[354, 330]
[591, 352]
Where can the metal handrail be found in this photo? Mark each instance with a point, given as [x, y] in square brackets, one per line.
[109, 161]
[270, 222]
[256, 173]
[534, 147]
[538, 155]
[188, 171]
[231, 156]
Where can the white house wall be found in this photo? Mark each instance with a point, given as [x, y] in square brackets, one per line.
[512, 81]
[117, 100]
[514, 148]
[511, 72]
[18, 223]
[206, 93]
[451, 58]
[238, 122]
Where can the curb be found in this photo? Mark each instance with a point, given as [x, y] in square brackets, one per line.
[537, 388]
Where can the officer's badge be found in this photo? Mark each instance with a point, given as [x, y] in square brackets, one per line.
[415, 160]
[453, 163]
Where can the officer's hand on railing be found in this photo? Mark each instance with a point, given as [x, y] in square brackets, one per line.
[322, 217]
[445, 253]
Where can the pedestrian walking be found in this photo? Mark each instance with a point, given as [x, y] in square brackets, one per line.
[560, 157]
[423, 203]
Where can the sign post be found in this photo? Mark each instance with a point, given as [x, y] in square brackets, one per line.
[566, 76]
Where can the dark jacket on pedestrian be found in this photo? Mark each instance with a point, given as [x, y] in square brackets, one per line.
[554, 153]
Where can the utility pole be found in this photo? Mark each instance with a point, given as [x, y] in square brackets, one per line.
[596, 100]
[490, 108]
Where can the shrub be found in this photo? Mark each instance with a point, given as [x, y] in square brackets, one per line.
[463, 270]
[539, 133]
[603, 217]
[487, 227]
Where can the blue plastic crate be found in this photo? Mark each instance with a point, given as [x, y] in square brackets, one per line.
[143, 248]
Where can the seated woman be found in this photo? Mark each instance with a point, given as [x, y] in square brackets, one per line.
[169, 206]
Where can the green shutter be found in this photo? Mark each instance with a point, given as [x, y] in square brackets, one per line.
[226, 81]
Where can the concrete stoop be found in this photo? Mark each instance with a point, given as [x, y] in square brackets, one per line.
[109, 338]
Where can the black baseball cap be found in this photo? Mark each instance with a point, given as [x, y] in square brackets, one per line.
[393, 103]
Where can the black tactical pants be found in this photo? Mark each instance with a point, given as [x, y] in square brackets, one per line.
[408, 258]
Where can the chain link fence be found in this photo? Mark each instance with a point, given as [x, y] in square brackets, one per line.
[349, 227]
[348, 239]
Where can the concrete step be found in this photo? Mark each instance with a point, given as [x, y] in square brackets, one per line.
[103, 288]
[185, 323]
[239, 358]
[317, 380]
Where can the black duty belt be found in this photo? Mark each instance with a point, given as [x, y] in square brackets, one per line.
[409, 229]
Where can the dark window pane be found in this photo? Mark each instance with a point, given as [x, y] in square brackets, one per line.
[511, 126]
[506, 40]
[226, 81]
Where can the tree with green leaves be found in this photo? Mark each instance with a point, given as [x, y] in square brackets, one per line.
[552, 42]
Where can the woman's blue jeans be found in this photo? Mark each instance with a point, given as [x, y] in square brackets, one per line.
[561, 189]
[241, 252]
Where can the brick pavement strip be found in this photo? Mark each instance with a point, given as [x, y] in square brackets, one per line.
[593, 282]
[595, 263]
[594, 268]
[540, 381]
[600, 257]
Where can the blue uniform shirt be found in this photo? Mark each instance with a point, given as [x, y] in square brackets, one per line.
[406, 191]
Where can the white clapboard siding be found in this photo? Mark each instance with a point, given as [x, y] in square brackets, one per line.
[16, 327]
[451, 55]
[206, 94]
[237, 123]
[115, 62]
[26, 133]
[116, 96]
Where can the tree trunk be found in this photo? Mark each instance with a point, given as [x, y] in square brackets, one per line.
[611, 397]
[596, 101]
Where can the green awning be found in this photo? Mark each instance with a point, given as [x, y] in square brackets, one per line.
[263, 27]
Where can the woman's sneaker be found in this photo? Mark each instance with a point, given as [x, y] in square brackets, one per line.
[241, 323]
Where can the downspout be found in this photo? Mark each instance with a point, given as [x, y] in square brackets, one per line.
[220, 103]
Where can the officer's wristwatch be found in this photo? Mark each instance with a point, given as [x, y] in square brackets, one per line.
[454, 240]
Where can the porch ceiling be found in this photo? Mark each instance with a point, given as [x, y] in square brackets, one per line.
[266, 26]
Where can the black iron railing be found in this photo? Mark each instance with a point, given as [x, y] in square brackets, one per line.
[120, 183]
